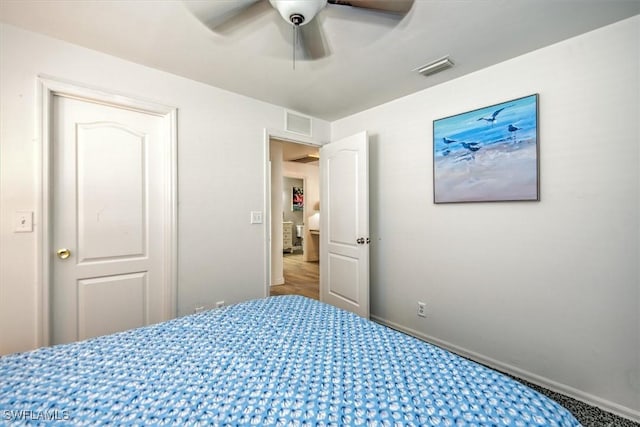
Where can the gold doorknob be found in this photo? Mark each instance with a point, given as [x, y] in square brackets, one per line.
[63, 253]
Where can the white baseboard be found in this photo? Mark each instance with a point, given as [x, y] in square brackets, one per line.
[582, 396]
[278, 281]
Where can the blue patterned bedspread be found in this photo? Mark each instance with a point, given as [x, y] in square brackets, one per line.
[286, 361]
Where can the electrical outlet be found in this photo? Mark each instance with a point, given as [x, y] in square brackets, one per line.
[220, 304]
[422, 309]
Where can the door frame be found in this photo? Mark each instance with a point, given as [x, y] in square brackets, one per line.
[288, 137]
[48, 87]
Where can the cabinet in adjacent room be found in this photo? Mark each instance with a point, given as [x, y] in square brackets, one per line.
[287, 236]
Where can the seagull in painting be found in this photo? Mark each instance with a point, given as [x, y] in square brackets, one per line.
[471, 146]
[513, 129]
[446, 152]
[448, 140]
[492, 118]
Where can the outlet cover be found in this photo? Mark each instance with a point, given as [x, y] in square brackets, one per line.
[422, 309]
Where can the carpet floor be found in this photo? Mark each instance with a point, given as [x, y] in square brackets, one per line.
[589, 416]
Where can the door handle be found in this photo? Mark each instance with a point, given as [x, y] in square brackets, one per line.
[360, 241]
[63, 253]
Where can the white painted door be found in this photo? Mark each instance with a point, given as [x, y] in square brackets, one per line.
[109, 202]
[344, 224]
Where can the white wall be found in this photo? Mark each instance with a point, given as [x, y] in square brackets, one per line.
[220, 140]
[546, 289]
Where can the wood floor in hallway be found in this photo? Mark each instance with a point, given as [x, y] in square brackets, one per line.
[300, 277]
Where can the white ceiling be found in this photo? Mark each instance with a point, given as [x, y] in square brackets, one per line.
[372, 55]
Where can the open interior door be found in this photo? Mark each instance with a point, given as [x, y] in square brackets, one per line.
[344, 224]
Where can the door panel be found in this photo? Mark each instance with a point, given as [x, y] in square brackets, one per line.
[108, 210]
[342, 167]
[344, 229]
[102, 231]
[343, 274]
[99, 298]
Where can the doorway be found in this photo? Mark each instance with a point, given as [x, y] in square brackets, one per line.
[294, 212]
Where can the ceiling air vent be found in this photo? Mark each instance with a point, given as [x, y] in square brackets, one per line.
[435, 66]
[297, 123]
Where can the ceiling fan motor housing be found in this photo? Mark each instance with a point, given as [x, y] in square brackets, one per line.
[298, 12]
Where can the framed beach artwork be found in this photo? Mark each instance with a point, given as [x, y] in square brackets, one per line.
[297, 199]
[488, 155]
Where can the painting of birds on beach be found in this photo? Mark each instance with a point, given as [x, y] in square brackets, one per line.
[489, 154]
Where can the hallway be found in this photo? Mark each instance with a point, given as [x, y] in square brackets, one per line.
[300, 277]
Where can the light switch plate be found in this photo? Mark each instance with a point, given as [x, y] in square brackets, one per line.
[256, 217]
[23, 222]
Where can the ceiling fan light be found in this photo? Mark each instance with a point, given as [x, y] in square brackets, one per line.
[295, 8]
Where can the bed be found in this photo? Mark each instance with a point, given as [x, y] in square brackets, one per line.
[287, 361]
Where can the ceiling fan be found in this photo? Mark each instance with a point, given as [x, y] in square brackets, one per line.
[220, 15]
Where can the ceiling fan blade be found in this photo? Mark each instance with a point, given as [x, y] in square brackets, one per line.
[223, 16]
[313, 41]
[392, 6]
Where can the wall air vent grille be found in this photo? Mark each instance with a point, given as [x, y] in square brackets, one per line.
[297, 123]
